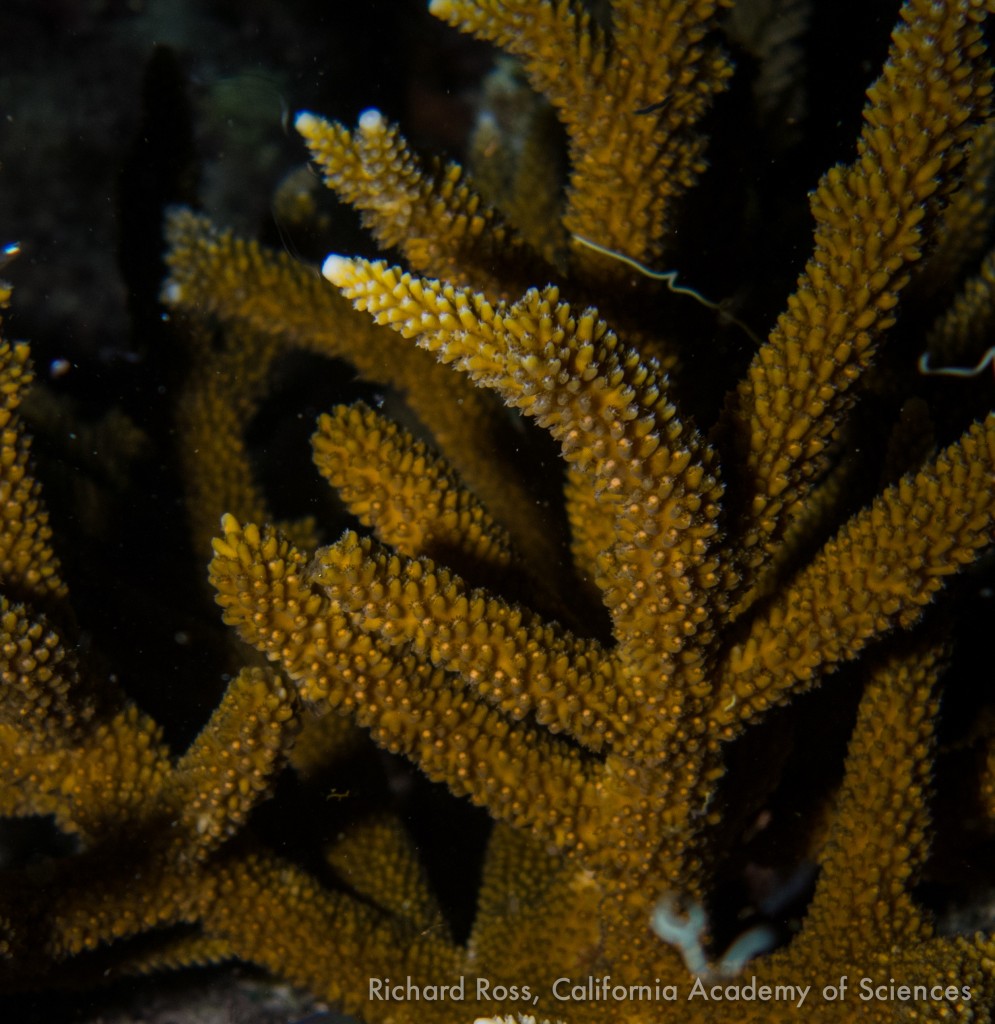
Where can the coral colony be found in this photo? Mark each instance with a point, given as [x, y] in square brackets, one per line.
[608, 700]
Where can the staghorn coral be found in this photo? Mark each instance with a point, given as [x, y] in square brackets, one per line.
[734, 578]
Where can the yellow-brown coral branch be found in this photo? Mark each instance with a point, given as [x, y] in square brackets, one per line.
[432, 215]
[410, 707]
[28, 566]
[869, 231]
[628, 100]
[216, 274]
[410, 496]
[236, 757]
[650, 474]
[504, 653]
[882, 813]
[879, 572]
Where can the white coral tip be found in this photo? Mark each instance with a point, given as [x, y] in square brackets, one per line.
[337, 269]
[372, 121]
[306, 122]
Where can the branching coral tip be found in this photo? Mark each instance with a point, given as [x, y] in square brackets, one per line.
[337, 269]
[9, 252]
[372, 120]
[305, 122]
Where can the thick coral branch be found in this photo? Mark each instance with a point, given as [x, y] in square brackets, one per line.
[651, 475]
[870, 218]
[410, 496]
[506, 654]
[878, 573]
[521, 773]
[213, 273]
[235, 759]
[28, 565]
[432, 215]
[881, 820]
[628, 98]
